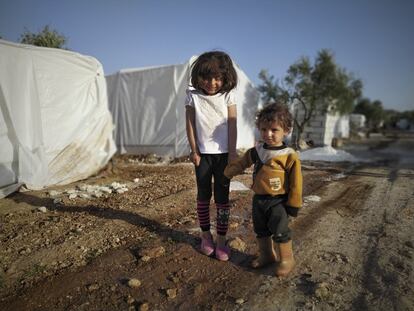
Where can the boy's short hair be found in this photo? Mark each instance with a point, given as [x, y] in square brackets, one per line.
[275, 112]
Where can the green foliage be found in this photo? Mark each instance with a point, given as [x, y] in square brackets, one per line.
[409, 115]
[46, 38]
[373, 111]
[391, 117]
[271, 91]
[315, 88]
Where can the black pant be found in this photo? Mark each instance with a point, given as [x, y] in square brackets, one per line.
[270, 218]
[212, 165]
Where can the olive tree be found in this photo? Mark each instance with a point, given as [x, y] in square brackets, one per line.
[312, 88]
[46, 37]
[373, 111]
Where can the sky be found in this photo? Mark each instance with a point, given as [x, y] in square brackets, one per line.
[372, 39]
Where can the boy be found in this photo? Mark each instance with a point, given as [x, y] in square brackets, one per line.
[277, 184]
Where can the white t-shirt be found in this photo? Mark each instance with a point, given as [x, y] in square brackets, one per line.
[211, 116]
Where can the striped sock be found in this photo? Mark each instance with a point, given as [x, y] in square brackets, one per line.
[223, 214]
[203, 212]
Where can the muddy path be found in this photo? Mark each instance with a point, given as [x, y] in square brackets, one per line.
[354, 250]
[354, 247]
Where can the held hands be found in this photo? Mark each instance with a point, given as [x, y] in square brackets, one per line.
[195, 158]
[232, 156]
[231, 170]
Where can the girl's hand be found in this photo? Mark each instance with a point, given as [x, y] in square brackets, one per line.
[195, 158]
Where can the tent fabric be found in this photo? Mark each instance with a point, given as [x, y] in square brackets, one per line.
[147, 105]
[55, 126]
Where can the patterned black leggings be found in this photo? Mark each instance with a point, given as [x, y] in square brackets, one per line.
[212, 166]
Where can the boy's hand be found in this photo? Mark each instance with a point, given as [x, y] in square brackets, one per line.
[195, 158]
[292, 211]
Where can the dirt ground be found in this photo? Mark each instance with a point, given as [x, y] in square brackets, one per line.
[133, 243]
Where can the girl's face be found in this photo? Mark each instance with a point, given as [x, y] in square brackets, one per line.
[211, 86]
[272, 133]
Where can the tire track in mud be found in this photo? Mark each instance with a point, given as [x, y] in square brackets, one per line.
[338, 244]
[346, 202]
[388, 271]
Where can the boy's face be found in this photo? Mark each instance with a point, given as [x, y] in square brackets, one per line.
[272, 133]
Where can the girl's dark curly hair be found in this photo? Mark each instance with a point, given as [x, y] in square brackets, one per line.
[212, 65]
[275, 112]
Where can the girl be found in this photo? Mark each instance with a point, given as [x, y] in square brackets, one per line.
[211, 117]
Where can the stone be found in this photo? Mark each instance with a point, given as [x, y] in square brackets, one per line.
[53, 193]
[175, 280]
[93, 287]
[322, 291]
[145, 258]
[105, 189]
[42, 209]
[237, 244]
[134, 283]
[144, 306]
[152, 252]
[240, 301]
[83, 187]
[312, 198]
[130, 300]
[97, 194]
[172, 293]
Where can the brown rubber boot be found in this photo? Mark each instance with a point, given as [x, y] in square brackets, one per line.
[266, 253]
[287, 262]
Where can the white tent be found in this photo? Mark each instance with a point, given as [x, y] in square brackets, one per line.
[55, 126]
[147, 105]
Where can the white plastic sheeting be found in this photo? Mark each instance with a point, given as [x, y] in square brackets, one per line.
[147, 105]
[55, 126]
[328, 154]
[357, 120]
[322, 128]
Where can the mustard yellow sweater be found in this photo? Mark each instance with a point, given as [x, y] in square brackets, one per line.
[277, 172]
